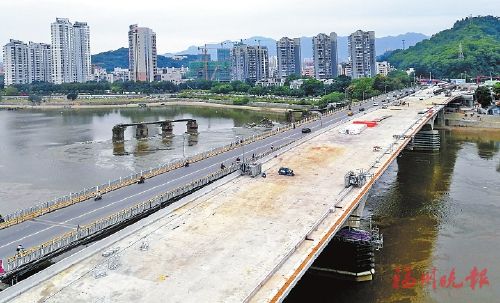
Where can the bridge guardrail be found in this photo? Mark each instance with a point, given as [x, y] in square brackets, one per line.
[87, 193]
[82, 232]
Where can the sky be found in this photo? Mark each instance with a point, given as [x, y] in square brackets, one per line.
[181, 23]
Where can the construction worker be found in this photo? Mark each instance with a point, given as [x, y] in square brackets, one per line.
[1, 219]
[19, 248]
[272, 147]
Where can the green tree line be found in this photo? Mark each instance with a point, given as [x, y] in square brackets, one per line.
[478, 39]
[340, 88]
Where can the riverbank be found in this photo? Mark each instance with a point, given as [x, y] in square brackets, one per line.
[468, 120]
[107, 103]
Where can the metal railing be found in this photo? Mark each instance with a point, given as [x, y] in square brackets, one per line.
[70, 239]
[87, 193]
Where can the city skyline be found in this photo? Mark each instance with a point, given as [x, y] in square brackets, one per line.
[193, 22]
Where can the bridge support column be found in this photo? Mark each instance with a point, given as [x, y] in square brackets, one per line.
[350, 255]
[355, 218]
[141, 131]
[167, 129]
[118, 133]
[192, 127]
[426, 140]
[439, 122]
[290, 117]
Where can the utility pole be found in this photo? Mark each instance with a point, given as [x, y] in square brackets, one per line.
[403, 44]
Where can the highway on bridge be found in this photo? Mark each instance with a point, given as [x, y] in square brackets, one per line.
[46, 227]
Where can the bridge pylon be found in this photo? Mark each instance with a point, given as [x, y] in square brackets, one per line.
[141, 131]
[192, 127]
[118, 133]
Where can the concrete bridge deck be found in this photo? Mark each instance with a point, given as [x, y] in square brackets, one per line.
[248, 240]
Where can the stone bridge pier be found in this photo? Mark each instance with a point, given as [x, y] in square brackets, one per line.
[167, 129]
[428, 138]
[118, 133]
[350, 255]
[192, 127]
[141, 131]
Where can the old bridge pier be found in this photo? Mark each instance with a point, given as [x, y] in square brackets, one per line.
[141, 130]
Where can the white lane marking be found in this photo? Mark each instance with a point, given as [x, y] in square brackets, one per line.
[52, 223]
[96, 209]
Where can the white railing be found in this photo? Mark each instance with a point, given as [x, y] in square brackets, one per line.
[87, 193]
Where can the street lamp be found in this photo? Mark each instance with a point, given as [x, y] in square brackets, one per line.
[346, 97]
[184, 146]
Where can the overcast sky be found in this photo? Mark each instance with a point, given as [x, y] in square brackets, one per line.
[181, 23]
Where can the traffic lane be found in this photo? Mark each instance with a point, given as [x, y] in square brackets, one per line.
[8, 249]
[86, 212]
[81, 216]
[87, 206]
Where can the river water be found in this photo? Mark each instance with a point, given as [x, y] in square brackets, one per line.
[45, 154]
[437, 212]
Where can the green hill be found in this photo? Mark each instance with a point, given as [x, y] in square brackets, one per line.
[480, 40]
[119, 58]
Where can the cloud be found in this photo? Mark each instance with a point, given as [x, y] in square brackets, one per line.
[179, 24]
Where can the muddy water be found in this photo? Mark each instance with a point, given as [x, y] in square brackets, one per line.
[437, 212]
[49, 153]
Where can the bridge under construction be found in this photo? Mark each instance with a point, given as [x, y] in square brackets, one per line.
[243, 239]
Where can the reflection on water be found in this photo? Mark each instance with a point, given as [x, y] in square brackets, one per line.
[49, 153]
[436, 211]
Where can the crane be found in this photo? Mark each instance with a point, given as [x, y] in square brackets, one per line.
[204, 49]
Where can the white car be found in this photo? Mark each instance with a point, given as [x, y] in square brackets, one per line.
[375, 104]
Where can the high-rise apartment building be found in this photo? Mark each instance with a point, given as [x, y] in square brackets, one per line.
[15, 60]
[83, 66]
[63, 63]
[361, 47]
[142, 53]
[70, 52]
[288, 53]
[249, 63]
[39, 62]
[325, 56]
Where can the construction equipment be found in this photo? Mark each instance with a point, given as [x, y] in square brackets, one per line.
[251, 169]
[353, 179]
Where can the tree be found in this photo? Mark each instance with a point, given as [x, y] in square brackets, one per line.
[334, 97]
[362, 88]
[313, 87]
[220, 88]
[483, 96]
[239, 86]
[339, 84]
[11, 91]
[496, 90]
[72, 96]
[35, 99]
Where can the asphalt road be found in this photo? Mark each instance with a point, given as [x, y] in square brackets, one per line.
[44, 228]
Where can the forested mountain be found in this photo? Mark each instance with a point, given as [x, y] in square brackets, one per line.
[119, 58]
[477, 38]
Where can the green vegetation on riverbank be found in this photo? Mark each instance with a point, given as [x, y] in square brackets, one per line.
[309, 92]
[478, 38]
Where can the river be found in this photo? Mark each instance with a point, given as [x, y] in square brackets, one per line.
[436, 211]
[49, 153]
